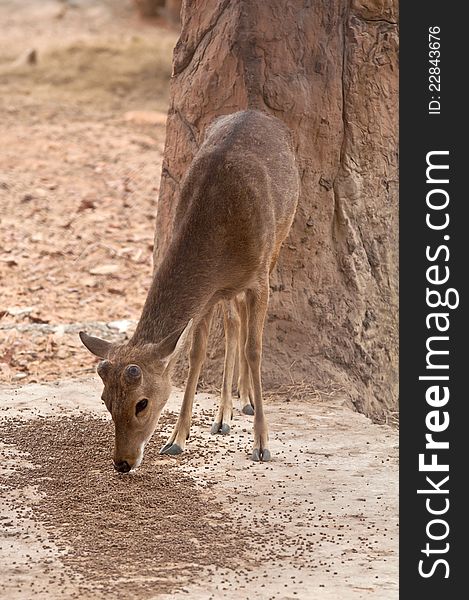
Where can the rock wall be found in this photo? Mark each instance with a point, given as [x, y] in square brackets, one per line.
[330, 71]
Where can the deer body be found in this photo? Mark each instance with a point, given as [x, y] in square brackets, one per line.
[236, 206]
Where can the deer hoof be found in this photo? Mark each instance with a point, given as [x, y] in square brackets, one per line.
[261, 455]
[172, 449]
[215, 428]
[222, 428]
[248, 409]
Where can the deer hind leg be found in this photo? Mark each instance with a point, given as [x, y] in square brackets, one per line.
[256, 302]
[244, 377]
[222, 423]
[177, 441]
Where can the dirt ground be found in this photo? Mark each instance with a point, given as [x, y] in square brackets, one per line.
[83, 95]
[318, 522]
[81, 145]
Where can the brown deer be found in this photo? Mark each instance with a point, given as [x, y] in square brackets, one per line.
[237, 203]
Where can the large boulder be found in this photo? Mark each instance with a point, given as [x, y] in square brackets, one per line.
[329, 71]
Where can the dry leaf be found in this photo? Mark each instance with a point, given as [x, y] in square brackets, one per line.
[10, 262]
[86, 203]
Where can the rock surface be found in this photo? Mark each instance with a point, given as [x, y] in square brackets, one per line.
[329, 70]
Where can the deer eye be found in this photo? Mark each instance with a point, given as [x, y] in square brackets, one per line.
[133, 374]
[141, 405]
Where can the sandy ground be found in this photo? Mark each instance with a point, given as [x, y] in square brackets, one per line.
[318, 522]
[81, 145]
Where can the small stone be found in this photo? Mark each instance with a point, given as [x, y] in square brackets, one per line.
[104, 270]
[20, 376]
[120, 326]
[19, 311]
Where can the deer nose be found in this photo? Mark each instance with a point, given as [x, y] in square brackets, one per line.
[122, 466]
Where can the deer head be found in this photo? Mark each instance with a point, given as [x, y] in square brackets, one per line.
[137, 384]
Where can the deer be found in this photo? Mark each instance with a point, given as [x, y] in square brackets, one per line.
[237, 202]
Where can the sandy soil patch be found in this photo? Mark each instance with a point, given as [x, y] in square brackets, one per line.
[319, 522]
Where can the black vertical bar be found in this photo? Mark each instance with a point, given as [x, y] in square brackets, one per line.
[423, 130]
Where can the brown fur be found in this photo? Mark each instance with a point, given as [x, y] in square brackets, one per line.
[236, 206]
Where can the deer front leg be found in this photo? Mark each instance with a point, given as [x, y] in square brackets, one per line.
[177, 441]
[222, 423]
[256, 302]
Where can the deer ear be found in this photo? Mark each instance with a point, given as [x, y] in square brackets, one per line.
[168, 350]
[95, 345]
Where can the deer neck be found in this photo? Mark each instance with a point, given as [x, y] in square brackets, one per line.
[180, 291]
